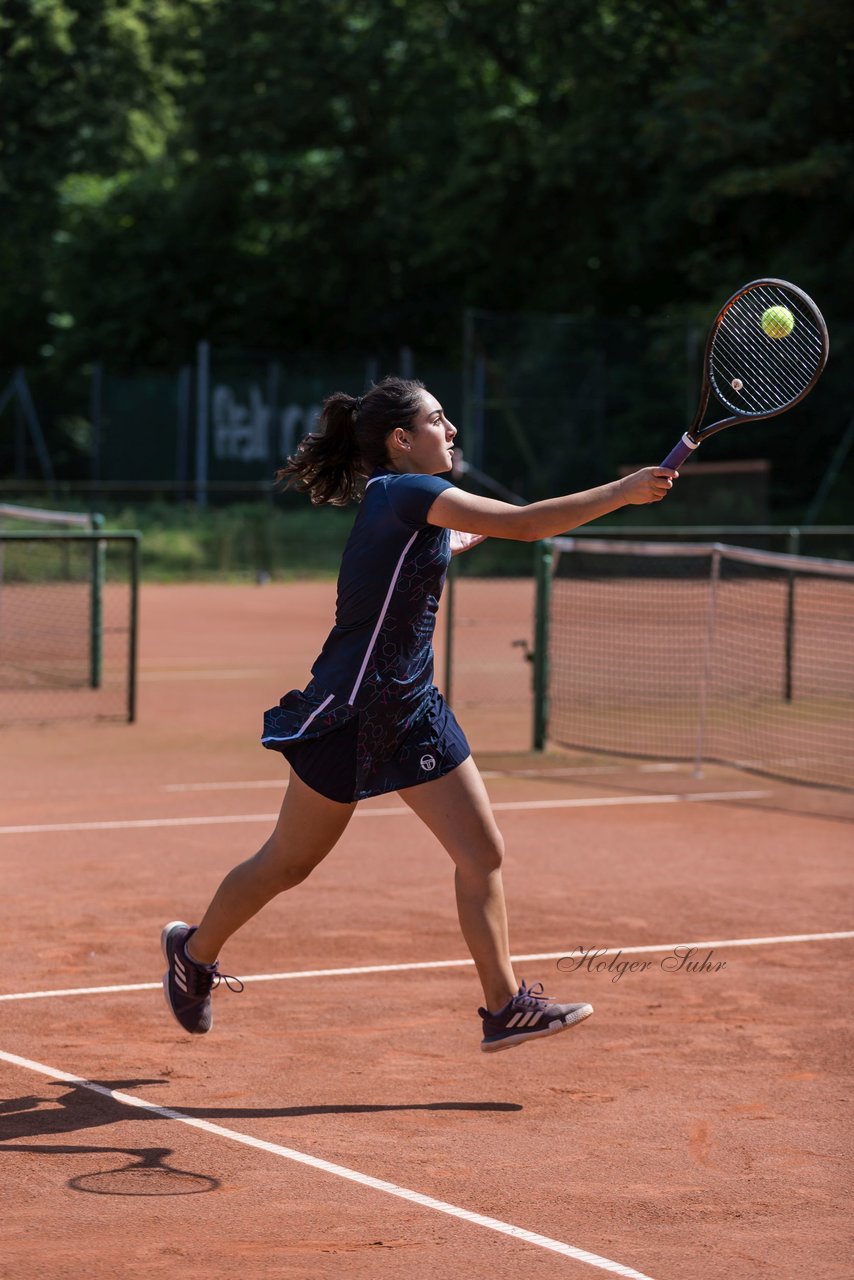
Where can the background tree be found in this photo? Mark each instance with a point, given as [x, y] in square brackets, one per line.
[349, 174]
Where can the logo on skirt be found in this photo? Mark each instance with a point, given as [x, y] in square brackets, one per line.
[428, 763]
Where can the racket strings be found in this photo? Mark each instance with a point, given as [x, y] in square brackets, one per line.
[769, 378]
[753, 372]
[781, 364]
[782, 379]
[801, 347]
[760, 390]
[764, 368]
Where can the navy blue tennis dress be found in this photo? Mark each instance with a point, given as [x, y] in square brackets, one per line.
[371, 720]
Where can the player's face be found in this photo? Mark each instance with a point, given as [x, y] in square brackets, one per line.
[431, 442]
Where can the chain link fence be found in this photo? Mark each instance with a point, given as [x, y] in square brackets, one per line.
[68, 625]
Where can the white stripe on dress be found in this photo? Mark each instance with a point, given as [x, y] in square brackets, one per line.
[301, 730]
[314, 713]
[381, 618]
[371, 644]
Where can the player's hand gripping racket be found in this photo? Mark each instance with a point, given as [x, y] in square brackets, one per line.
[766, 350]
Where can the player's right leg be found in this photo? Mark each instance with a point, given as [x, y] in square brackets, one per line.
[308, 828]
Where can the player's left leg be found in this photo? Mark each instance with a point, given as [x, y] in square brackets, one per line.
[308, 828]
[456, 808]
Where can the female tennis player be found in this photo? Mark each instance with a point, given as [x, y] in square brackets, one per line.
[371, 720]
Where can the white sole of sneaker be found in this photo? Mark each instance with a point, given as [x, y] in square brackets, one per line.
[511, 1042]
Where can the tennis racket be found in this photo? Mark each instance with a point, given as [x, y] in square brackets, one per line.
[765, 352]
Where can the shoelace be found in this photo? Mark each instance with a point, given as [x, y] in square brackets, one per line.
[201, 981]
[228, 979]
[530, 997]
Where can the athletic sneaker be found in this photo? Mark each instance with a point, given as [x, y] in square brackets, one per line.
[528, 1015]
[187, 985]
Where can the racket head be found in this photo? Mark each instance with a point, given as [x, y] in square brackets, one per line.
[755, 363]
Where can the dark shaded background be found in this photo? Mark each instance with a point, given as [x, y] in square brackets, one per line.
[348, 176]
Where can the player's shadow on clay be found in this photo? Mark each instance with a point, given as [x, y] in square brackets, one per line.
[79, 1108]
[342, 1109]
[145, 1171]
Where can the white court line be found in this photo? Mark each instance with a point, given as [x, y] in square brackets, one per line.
[585, 770]
[396, 811]
[436, 964]
[337, 1170]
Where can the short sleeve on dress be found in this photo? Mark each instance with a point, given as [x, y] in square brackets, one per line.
[412, 496]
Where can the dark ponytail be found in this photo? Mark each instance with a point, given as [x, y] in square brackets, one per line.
[331, 463]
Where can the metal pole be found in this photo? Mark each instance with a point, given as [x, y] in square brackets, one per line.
[543, 569]
[20, 443]
[182, 434]
[794, 545]
[133, 627]
[708, 648]
[203, 381]
[96, 604]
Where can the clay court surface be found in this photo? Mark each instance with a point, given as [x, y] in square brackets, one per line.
[345, 1123]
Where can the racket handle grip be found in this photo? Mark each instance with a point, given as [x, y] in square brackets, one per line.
[680, 452]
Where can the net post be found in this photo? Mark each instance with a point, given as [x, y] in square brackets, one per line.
[793, 547]
[708, 646]
[96, 604]
[450, 587]
[133, 627]
[543, 569]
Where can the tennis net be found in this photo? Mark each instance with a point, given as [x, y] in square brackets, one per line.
[67, 617]
[37, 517]
[700, 651]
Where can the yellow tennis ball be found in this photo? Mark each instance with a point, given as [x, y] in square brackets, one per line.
[778, 322]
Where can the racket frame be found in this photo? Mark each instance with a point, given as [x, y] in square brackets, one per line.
[697, 433]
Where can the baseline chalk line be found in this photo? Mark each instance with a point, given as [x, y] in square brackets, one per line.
[439, 964]
[395, 811]
[337, 1170]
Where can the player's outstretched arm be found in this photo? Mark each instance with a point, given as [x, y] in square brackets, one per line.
[469, 513]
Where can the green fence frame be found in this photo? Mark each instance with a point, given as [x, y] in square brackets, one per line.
[540, 656]
[98, 540]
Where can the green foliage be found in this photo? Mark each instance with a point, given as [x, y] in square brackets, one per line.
[243, 541]
[322, 173]
[84, 98]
